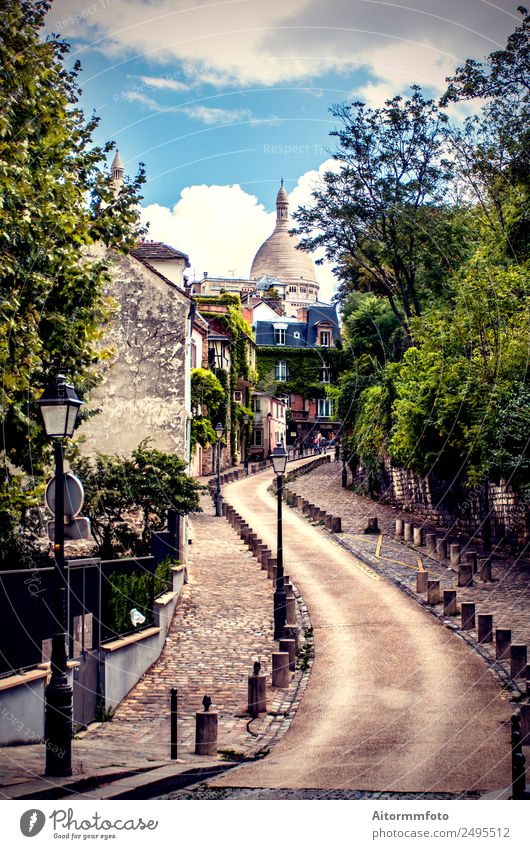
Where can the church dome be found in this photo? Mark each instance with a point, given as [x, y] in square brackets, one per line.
[278, 256]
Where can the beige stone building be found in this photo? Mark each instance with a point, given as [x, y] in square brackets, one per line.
[145, 392]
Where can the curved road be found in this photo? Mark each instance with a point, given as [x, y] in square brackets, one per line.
[395, 701]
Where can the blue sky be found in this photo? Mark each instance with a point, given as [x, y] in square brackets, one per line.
[221, 99]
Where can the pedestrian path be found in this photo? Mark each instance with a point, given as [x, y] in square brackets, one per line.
[396, 702]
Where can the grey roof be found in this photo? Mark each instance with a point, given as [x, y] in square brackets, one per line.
[306, 330]
[158, 250]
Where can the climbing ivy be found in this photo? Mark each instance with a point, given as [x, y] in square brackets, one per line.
[303, 369]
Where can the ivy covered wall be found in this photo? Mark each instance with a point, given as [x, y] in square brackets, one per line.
[304, 367]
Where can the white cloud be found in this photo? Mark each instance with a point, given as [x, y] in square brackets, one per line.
[222, 227]
[166, 83]
[247, 42]
[134, 96]
[211, 115]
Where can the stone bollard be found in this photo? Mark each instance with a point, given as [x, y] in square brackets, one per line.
[422, 581]
[468, 615]
[280, 669]
[205, 731]
[306, 508]
[485, 628]
[407, 531]
[465, 575]
[454, 555]
[264, 558]
[298, 502]
[503, 639]
[290, 608]
[270, 566]
[372, 526]
[484, 569]
[471, 560]
[328, 521]
[525, 725]
[518, 658]
[417, 536]
[433, 592]
[290, 632]
[336, 524]
[441, 548]
[450, 608]
[430, 542]
[399, 528]
[257, 691]
[289, 646]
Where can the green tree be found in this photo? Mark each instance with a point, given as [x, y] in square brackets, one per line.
[127, 498]
[381, 217]
[55, 201]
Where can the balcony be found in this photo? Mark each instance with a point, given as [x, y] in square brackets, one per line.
[299, 415]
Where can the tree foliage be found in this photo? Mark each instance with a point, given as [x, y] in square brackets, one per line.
[55, 200]
[381, 215]
[447, 393]
[127, 498]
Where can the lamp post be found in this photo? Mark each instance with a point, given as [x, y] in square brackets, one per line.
[218, 497]
[246, 420]
[269, 419]
[59, 406]
[279, 462]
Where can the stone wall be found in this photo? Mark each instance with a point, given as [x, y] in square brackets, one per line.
[454, 505]
[145, 391]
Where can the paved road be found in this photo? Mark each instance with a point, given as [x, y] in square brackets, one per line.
[395, 702]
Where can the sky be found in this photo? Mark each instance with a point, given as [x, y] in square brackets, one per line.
[222, 99]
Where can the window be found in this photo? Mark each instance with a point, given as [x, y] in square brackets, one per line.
[255, 405]
[279, 335]
[286, 399]
[292, 288]
[279, 436]
[325, 338]
[303, 290]
[296, 334]
[281, 371]
[257, 438]
[193, 357]
[325, 374]
[325, 408]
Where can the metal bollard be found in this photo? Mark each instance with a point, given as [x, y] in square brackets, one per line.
[173, 723]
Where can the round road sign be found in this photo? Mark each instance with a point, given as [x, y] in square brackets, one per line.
[74, 495]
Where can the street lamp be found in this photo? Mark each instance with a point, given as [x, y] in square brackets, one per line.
[279, 462]
[218, 497]
[246, 419]
[269, 419]
[59, 406]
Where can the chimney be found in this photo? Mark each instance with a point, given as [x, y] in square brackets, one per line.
[301, 314]
[205, 274]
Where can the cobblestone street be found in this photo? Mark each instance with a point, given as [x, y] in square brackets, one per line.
[222, 622]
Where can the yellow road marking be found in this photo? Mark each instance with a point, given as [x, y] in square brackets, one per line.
[400, 562]
[378, 546]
